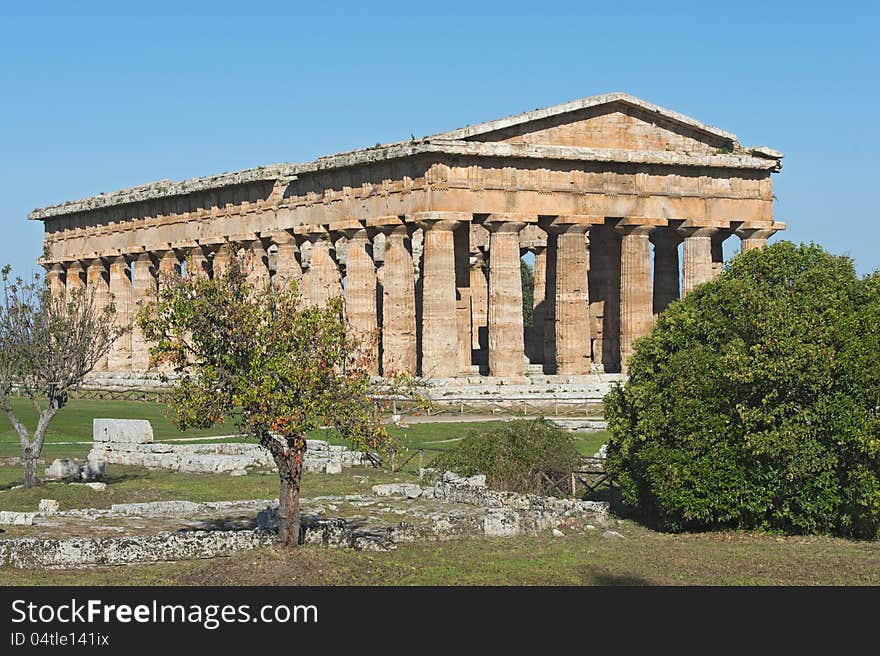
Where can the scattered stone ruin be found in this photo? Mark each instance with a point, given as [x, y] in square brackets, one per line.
[130, 442]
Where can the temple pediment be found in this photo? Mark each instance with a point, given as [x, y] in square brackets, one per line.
[608, 121]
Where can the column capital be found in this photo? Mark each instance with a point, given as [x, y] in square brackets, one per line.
[281, 237]
[635, 229]
[669, 237]
[698, 232]
[508, 222]
[439, 220]
[755, 233]
[569, 222]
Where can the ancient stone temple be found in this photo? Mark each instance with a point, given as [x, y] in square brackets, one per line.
[624, 204]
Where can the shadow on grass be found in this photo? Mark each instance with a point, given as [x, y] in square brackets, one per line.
[606, 579]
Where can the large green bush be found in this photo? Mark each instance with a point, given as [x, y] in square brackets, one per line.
[515, 456]
[753, 403]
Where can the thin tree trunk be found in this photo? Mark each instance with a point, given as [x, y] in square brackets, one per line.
[289, 472]
[30, 468]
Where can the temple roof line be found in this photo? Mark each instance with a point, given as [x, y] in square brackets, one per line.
[454, 143]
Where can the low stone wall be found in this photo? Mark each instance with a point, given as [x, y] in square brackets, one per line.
[119, 441]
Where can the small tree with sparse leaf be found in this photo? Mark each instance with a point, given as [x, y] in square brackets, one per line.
[257, 358]
[47, 346]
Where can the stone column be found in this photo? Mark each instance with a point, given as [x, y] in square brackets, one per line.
[98, 286]
[321, 281]
[360, 297]
[479, 307]
[605, 294]
[256, 265]
[119, 358]
[399, 353]
[666, 268]
[145, 287]
[55, 281]
[571, 307]
[462, 236]
[197, 264]
[697, 257]
[636, 316]
[539, 305]
[506, 344]
[222, 259]
[75, 282]
[287, 264]
[751, 238]
[440, 332]
[169, 268]
[549, 318]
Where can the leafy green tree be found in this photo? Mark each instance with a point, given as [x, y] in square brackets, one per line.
[273, 368]
[47, 346]
[753, 403]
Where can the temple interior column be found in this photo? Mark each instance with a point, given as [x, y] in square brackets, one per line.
[75, 282]
[666, 268]
[399, 353]
[462, 236]
[145, 286]
[439, 311]
[360, 298]
[97, 283]
[718, 251]
[506, 343]
[119, 358]
[536, 348]
[479, 309]
[571, 308]
[605, 294]
[636, 315]
[697, 253]
[548, 330]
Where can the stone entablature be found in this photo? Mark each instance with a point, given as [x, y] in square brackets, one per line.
[590, 187]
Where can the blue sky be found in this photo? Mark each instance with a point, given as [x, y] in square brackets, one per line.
[99, 96]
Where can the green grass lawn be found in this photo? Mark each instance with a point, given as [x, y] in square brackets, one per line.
[644, 557]
[74, 424]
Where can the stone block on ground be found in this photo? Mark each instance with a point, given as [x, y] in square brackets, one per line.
[334, 467]
[408, 490]
[137, 431]
[63, 469]
[49, 506]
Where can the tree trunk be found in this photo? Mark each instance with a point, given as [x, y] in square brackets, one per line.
[289, 473]
[30, 469]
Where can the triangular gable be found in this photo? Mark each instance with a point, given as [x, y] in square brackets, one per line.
[615, 120]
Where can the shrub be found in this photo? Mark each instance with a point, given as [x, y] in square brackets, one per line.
[753, 403]
[515, 456]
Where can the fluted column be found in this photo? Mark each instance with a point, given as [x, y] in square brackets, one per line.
[549, 318]
[399, 353]
[55, 281]
[439, 346]
[751, 238]
[697, 253]
[75, 282]
[571, 311]
[506, 344]
[169, 268]
[97, 282]
[321, 281]
[222, 260]
[636, 315]
[462, 236]
[666, 268]
[538, 305]
[479, 307]
[360, 297]
[197, 264]
[145, 287]
[256, 265]
[287, 263]
[119, 358]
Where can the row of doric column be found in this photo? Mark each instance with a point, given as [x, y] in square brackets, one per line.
[458, 307]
